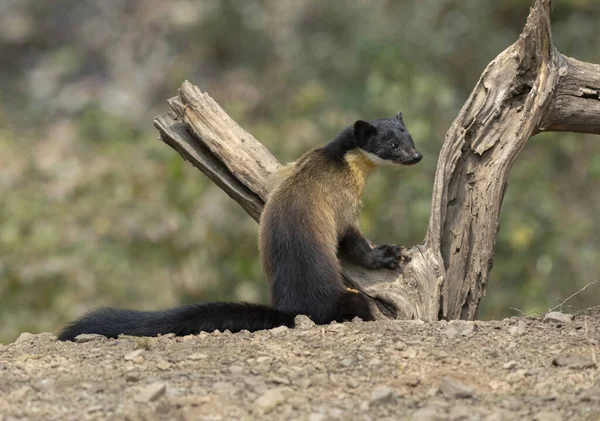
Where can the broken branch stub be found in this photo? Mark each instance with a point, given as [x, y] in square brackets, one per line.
[528, 88]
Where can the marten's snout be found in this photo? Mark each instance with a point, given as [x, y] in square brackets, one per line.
[416, 157]
[413, 157]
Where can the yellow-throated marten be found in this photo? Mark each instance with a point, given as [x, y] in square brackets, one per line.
[310, 216]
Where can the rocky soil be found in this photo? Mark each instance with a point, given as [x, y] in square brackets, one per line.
[515, 369]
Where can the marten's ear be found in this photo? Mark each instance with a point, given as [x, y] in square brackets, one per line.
[399, 117]
[363, 131]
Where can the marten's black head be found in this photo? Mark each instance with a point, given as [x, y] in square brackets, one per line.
[386, 141]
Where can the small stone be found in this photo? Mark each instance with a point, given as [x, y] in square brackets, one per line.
[263, 359]
[428, 414]
[499, 385]
[316, 416]
[19, 394]
[558, 317]
[410, 380]
[465, 328]
[451, 332]
[151, 392]
[278, 330]
[133, 355]
[347, 362]
[409, 353]
[453, 388]
[496, 416]
[168, 336]
[381, 395]
[352, 383]
[516, 376]
[460, 412]
[547, 416]
[303, 322]
[574, 361]
[335, 327]
[163, 365]
[591, 395]
[356, 319]
[43, 384]
[519, 329]
[236, 369]
[89, 337]
[94, 408]
[271, 398]
[279, 380]
[132, 377]
[304, 382]
[197, 356]
[46, 336]
[25, 337]
[510, 365]
[400, 346]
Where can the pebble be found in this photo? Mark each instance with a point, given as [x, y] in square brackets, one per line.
[316, 416]
[89, 337]
[236, 369]
[519, 329]
[151, 392]
[353, 383]
[133, 355]
[271, 398]
[303, 322]
[163, 365]
[558, 317]
[335, 327]
[304, 382]
[428, 414]
[380, 395]
[574, 361]
[547, 416]
[409, 353]
[453, 388]
[347, 362]
[19, 394]
[460, 412]
[591, 395]
[410, 380]
[197, 356]
[278, 330]
[510, 365]
[400, 346]
[25, 337]
[464, 327]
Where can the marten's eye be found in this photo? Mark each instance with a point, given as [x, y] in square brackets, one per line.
[394, 145]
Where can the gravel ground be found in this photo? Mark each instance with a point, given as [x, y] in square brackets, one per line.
[515, 369]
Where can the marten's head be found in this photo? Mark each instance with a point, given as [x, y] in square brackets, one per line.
[386, 141]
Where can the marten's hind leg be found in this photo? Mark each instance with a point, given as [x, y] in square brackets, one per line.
[353, 304]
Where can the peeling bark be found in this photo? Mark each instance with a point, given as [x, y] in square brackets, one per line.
[528, 88]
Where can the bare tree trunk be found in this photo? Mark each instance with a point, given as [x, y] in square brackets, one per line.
[528, 88]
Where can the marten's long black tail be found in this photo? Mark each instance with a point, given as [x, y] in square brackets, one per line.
[181, 321]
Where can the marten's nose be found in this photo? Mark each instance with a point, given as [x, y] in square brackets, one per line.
[417, 157]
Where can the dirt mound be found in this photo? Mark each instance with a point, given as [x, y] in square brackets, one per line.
[516, 369]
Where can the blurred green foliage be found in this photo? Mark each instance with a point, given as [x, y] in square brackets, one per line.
[96, 211]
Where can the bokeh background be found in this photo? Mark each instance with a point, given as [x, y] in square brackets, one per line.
[95, 210]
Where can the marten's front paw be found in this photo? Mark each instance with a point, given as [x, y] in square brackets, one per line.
[388, 255]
